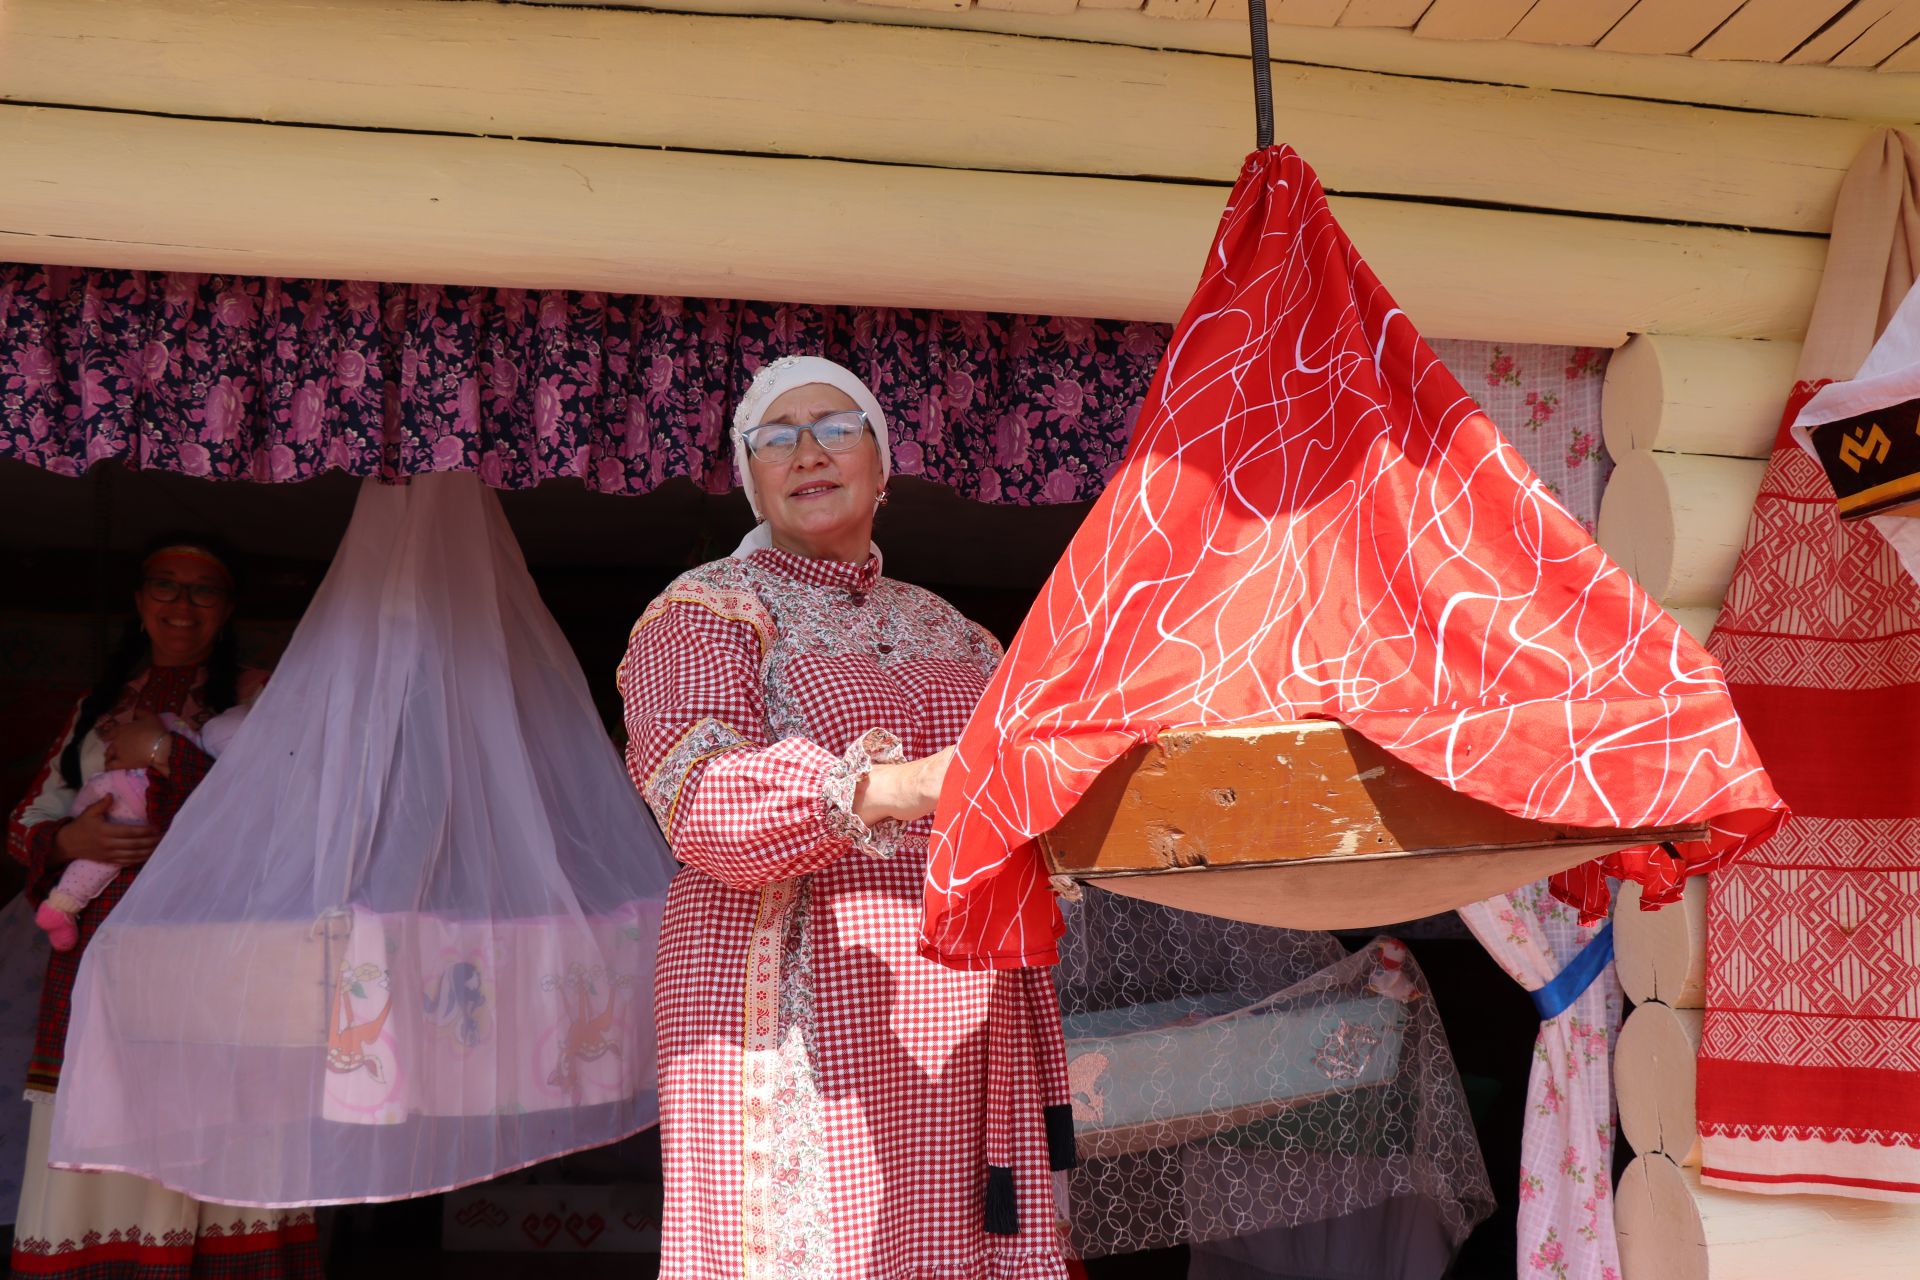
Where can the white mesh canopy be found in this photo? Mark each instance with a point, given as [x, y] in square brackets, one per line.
[401, 938]
[1231, 1081]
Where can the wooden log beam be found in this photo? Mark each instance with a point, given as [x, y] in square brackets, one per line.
[952, 99]
[120, 190]
[1654, 1070]
[1696, 395]
[1676, 522]
[1815, 91]
[1662, 955]
[1670, 1227]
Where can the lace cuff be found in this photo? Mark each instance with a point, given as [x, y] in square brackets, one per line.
[875, 746]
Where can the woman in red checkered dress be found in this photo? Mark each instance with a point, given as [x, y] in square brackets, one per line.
[180, 660]
[832, 1104]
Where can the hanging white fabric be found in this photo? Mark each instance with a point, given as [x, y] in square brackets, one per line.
[1566, 1149]
[402, 936]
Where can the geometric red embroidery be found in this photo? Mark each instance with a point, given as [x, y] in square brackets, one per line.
[1813, 974]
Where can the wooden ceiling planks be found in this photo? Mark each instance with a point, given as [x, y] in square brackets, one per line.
[1907, 59]
[1849, 33]
[1306, 13]
[1883, 39]
[1667, 26]
[1384, 13]
[1028, 6]
[1291, 13]
[1842, 31]
[1178, 9]
[1574, 22]
[1768, 30]
[1472, 19]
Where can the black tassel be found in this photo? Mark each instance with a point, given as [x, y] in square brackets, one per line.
[1003, 1211]
[1061, 1153]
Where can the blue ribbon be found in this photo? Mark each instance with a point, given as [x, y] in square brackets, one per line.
[1572, 982]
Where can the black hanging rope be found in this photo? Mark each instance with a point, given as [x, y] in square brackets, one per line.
[1262, 73]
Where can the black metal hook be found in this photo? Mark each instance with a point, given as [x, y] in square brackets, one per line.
[1262, 73]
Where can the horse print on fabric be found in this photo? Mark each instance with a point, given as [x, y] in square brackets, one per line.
[347, 1040]
[589, 1034]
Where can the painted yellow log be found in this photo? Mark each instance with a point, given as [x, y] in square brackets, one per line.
[113, 189]
[1676, 522]
[1696, 622]
[950, 99]
[1696, 395]
[1662, 955]
[1670, 1227]
[1654, 1071]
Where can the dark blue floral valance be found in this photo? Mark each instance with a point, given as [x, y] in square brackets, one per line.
[277, 380]
[247, 378]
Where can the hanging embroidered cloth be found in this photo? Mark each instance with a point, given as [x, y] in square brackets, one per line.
[402, 937]
[1314, 520]
[1811, 1043]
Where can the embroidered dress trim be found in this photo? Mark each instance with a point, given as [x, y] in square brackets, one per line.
[803, 1162]
[881, 839]
[702, 742]
[741, 606]
[760, 1079]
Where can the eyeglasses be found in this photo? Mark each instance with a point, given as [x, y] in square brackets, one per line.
[201, 595]
[836, 433]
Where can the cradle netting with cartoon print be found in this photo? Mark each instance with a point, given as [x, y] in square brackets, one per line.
[401, 938]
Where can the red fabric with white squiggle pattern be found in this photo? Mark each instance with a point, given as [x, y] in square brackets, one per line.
[1314, 520]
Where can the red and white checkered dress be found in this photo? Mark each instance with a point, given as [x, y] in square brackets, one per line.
[832, 1104]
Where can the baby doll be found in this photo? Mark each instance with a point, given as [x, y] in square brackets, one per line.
[84, 878]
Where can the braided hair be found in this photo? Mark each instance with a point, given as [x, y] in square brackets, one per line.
[219, 691]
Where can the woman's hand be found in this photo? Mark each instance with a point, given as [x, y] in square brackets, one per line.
[902, 792]
[91, 835]
[141, 743]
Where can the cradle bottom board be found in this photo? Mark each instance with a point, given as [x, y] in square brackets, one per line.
[1353, 893]
[1306, 825]
[1203, 1065]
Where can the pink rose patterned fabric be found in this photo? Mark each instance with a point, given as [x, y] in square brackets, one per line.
[244, 378]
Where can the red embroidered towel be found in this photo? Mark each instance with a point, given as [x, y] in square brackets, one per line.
[1810, 1056]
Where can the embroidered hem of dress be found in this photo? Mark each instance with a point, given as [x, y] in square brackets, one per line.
[760, 1079]
[880, 839]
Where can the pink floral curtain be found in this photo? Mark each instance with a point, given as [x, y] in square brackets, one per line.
[1566, 1152]
[246, 378]
[243, 378]
[1546, 401]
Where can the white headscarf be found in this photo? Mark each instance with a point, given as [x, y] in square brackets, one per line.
[769, 384]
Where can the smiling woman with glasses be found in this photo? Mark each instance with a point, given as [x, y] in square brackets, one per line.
[837, 432]
[177, 658]
[201, 595]
[832, 1104]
